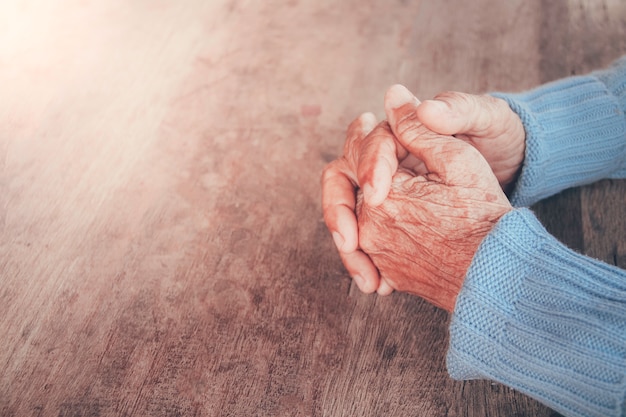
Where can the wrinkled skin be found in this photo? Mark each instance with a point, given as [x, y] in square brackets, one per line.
[372, 155]
[440, 204]
[485, 122]
[422, 238]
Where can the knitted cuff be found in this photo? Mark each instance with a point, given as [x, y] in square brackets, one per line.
[575, 134]
[542, 319]
[615, 80]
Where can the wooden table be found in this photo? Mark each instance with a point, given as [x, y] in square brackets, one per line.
[162, 248]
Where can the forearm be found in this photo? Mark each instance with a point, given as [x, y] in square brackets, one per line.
[575, 133]
[542, 319]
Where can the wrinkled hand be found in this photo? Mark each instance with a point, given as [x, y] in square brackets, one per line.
[486, 122]
[339, 185]
[370, 161]
[423, 236]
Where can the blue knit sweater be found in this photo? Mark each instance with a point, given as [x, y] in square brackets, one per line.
[532, 313]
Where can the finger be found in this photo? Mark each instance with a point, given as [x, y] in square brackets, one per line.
[378, 158]
[384, 288]
[362, 270]
[339, 186]
[357, 131]
[454, 113]
[371, 152]
[338, 204]
[450, 159]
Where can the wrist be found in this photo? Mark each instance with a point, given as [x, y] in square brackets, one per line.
[563, 121]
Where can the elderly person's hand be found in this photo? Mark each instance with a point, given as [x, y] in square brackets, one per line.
[486, 122]
[369, 162]
[339, 185]
[423, 236]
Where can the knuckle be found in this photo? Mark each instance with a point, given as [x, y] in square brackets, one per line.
[457, 99]
[447, 95]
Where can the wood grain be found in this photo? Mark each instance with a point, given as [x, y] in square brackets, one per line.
[162, 249]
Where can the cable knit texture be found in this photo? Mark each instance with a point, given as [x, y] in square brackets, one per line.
[575, 133]
[543, 319]
[533, 314]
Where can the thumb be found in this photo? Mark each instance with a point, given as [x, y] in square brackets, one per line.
[445, 156]
[452, 113]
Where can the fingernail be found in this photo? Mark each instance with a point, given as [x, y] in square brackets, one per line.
[360, 282]
[437, 105]
[368, 120]
[398, 95]
[339, 240]
[384, 288]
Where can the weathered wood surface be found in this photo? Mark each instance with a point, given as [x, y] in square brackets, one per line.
[162, 250]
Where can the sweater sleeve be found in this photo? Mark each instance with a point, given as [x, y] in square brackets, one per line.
[575, 133]
[542, 319]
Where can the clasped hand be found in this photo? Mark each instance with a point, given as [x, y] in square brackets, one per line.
[407, 204]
